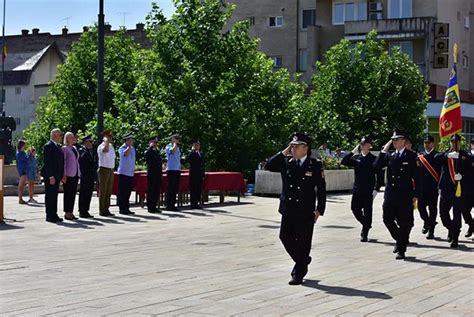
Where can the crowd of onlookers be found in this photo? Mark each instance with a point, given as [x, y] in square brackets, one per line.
[90, 165]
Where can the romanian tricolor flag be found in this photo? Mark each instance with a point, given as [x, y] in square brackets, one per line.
[450, 120]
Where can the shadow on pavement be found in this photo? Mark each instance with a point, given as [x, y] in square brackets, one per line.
[7, 226]
[439, 263]
[345, 291]
[338, 227]
[440, 247]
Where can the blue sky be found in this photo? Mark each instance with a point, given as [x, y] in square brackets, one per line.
[51, 15]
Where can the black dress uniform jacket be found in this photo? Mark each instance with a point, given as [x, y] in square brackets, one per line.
[153, 161]
[403, 174]
[461, 166]
[366, 175]
[196, 165]
[301, 185]
[53, 159]
[428, 182]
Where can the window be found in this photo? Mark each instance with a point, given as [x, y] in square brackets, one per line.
[405, 47]
[349, 11]
[275, 21]
[17, 90]
[3, 96]
[277, 61]
[18, 121]
[251, 20]
[303, 60]
[466, 22]
[465, 61]
[398, 9]
[338, 13]
[362, 11]
[309, 18]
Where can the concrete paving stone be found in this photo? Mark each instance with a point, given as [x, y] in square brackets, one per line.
[224, 260]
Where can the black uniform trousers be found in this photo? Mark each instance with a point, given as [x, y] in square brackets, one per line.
[296, 234]
[362, 206]
[453, 224]
[153, 192]
[125, 186]
[173, 188]
[51, 199]
[428, 201]
[70, 190]
[466, 211]
[195, 189]
[85, 193]
[398, 218]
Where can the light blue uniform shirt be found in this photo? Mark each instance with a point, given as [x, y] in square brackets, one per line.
[174, 160]
[127, 163]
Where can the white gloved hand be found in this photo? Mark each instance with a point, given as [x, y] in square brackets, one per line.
[374, 194]
[356, 149]
[453, 155]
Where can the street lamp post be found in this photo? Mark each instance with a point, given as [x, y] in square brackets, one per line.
[100, 72]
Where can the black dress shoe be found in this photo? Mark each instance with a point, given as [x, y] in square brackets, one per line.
[172, 209]
[430, 236]
[107, 214]
[126, 212]
[400, 256]
[424, 230]
[296, 281]
[454, 244]
[395, 249]
[152, 211]
[364, 238]
[469, 231]
[85, 215]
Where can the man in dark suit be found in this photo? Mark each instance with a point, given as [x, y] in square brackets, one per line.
[401, 191]
[88, 165]
[430, 171]
[302, 181]
[154, 173]
[196, 174]
[367, 183]
[453, 188]
[52, 172]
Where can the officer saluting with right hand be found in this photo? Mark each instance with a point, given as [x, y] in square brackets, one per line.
[402, 189]
[302, 180]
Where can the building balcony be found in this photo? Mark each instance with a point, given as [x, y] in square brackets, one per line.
[406, 28]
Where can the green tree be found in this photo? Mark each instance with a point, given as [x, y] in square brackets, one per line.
[363, 90]
[71, 103]
[213, 85]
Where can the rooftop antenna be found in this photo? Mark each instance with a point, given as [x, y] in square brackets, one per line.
[124, 16]
[67, 21]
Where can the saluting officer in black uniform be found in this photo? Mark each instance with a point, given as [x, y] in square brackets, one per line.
[470, 190]
[88, 164]
[154, 173]
[453, 188]
[401, 191]
[196, 174]
[367, 183]
[302, 180]
[430, 175]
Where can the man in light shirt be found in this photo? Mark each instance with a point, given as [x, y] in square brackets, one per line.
[173, 171]
[126, 171]
[106, 155]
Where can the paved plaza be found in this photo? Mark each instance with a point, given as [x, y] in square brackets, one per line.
[224, 260]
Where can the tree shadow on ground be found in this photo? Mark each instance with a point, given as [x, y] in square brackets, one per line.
[345, 291]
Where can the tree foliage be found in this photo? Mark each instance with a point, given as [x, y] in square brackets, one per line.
[363, 90]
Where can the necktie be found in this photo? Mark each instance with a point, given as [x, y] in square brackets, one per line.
[298, 163]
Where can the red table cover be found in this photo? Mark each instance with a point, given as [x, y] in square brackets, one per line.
[221, 181]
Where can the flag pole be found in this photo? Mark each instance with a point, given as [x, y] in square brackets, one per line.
[455, 53]
[3, 58]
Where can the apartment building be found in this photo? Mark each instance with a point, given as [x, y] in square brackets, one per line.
[297, 33]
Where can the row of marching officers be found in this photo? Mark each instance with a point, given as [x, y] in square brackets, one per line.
[414, 180]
